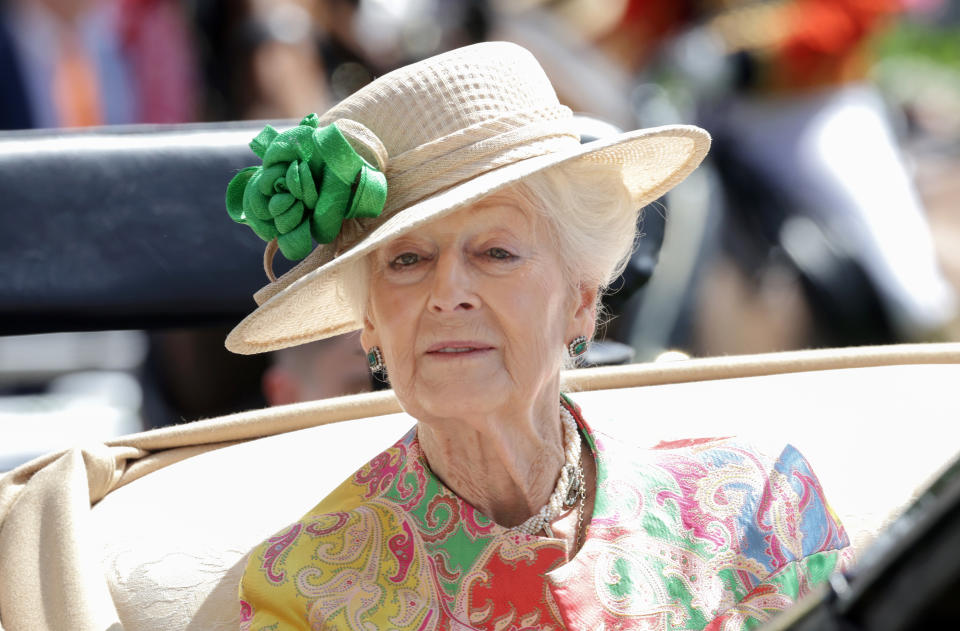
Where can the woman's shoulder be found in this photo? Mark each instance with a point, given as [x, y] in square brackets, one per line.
[718, 459]
[331, 532]
[748, 527]
[631, 442]
[771, 490]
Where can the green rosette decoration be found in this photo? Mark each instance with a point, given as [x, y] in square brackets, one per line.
[310, 182]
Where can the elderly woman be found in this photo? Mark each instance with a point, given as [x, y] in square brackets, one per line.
[466, 232]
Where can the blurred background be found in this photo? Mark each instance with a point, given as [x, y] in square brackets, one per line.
[828, 213]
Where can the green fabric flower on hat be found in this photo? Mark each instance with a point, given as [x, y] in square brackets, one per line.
[310, 181]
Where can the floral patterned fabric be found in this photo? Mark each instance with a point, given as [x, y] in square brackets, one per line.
[690, 535]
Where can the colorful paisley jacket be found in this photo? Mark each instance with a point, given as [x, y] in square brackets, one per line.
[691, 535]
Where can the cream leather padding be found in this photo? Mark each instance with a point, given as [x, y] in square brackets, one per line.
[175, 510]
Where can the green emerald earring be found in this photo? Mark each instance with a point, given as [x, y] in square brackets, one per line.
[577, 346]
[375, 359]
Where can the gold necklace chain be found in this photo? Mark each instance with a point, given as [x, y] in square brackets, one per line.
[580, 508]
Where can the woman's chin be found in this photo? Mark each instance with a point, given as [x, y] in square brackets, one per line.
[455, 396]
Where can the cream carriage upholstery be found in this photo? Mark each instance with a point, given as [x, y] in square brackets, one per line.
[150, 531]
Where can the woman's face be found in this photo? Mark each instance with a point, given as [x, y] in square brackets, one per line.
[472, 311]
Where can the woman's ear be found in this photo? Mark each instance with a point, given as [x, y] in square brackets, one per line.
[584, 321]
[368, 335]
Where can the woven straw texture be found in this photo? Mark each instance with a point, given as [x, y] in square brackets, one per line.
[454, 128]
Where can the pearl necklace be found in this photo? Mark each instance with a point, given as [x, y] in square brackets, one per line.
[570, 485]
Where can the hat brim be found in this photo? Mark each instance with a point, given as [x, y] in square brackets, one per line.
[651, 161]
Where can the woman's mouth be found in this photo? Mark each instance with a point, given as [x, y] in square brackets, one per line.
[457, 349]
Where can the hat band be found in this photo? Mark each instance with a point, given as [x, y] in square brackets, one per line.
[497, 127]
[443, 167]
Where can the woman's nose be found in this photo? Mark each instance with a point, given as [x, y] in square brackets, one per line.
[452, 288]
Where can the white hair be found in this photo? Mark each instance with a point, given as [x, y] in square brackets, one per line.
[591, 216]
[591, 221]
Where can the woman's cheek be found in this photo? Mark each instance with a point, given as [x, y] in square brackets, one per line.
[402, 368]
[527, 358]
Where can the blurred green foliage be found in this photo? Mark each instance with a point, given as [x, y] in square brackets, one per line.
[938, 44]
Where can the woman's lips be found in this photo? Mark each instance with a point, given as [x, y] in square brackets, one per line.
[457, 349]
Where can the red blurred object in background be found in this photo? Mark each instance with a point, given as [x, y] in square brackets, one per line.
[159, 49]
[802, 43]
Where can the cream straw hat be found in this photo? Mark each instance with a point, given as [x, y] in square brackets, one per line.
[448, 131]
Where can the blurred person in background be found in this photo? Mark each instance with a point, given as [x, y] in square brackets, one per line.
[274, 59]
[75, 63]
[159, 46]
[286, 67]
[280, 58]
[815, 152]
[329, 368]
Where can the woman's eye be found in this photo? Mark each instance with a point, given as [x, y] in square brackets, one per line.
[405, 260]
[499, 253]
